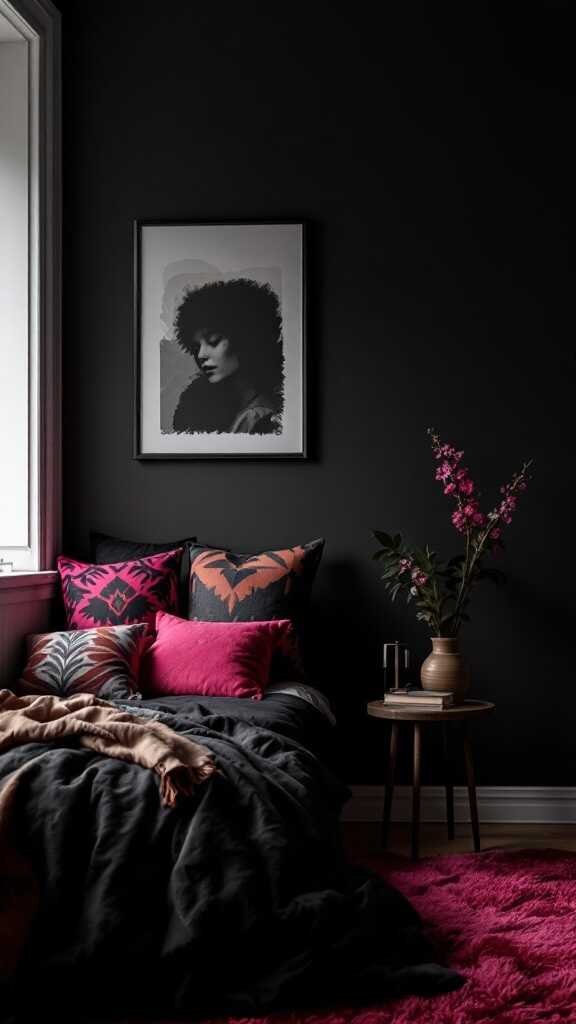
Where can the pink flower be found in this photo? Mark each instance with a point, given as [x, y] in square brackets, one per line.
[458, 484]
[506, 508]
[446, 451]
[459, 520]
[444, 471]
[404, 564]
[495, 534]
[466, 486]
[468, 515]
[419, 578]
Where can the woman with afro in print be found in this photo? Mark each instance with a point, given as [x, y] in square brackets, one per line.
[234, 331]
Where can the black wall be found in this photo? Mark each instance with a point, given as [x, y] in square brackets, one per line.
[430, 160]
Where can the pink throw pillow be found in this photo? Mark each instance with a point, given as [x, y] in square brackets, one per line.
[218, 659]
[119, 593]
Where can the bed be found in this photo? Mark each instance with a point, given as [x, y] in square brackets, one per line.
[237, 900]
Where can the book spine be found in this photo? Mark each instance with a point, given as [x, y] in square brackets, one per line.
[406, 698]
[409, 700]
[406, 695]
[420, 703]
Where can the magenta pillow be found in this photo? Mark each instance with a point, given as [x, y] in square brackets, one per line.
[121, 592]
[217, 659]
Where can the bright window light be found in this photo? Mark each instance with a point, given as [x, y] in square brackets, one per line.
[18, 315]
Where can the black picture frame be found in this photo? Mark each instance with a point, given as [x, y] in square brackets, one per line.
[175, 257]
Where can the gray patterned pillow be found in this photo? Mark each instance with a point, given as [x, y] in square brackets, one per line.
[84, 660]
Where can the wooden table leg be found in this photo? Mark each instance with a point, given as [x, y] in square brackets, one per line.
[416, 791]
[390, 774]
[471, 780]
[448, 782]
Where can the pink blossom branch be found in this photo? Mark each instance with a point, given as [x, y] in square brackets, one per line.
[467, 517]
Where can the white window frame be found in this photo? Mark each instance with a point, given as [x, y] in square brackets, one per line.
[38, 22]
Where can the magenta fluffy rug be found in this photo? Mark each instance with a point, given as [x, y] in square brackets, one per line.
[505, 920]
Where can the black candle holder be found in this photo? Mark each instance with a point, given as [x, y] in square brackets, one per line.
[396, 665]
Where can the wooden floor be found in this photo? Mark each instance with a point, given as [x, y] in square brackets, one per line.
[362, 838]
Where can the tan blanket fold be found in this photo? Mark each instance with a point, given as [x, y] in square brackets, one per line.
[180, 763]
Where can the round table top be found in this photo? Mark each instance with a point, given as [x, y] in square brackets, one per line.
[468, 709]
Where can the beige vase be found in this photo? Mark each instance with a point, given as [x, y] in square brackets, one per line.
[445, 668]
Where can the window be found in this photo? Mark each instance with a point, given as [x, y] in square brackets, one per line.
[29, 284]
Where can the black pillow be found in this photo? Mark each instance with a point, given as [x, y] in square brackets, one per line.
[105, 548]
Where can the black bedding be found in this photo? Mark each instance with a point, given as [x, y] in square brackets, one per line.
[238, 900]
[282, 713]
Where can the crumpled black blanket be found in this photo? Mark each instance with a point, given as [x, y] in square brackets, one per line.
[239, 900]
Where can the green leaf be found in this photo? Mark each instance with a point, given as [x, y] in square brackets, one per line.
[384, 538]
[422, 559]
[389, 573]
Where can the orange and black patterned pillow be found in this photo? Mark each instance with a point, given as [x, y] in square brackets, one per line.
[226, 586]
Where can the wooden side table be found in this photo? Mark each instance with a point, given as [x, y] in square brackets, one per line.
[418, 716]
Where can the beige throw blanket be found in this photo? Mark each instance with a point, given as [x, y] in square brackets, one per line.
[179, 762]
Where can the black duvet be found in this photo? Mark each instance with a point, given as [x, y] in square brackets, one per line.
[238, 900]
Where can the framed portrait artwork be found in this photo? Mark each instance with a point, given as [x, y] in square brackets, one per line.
[220, 347]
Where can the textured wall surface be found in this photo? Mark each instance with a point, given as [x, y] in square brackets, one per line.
[431, 164]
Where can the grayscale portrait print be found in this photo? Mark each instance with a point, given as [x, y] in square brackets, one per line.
[219, 340]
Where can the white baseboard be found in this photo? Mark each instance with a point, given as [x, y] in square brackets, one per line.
[506, 804]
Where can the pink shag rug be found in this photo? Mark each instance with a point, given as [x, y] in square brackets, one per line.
[505, 920]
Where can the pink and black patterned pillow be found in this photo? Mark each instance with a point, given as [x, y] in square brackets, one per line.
[84, 660]
[121, 592]
[105, 548]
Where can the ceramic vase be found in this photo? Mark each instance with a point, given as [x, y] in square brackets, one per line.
[445, 668]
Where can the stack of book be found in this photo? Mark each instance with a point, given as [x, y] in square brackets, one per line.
[404, 696]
